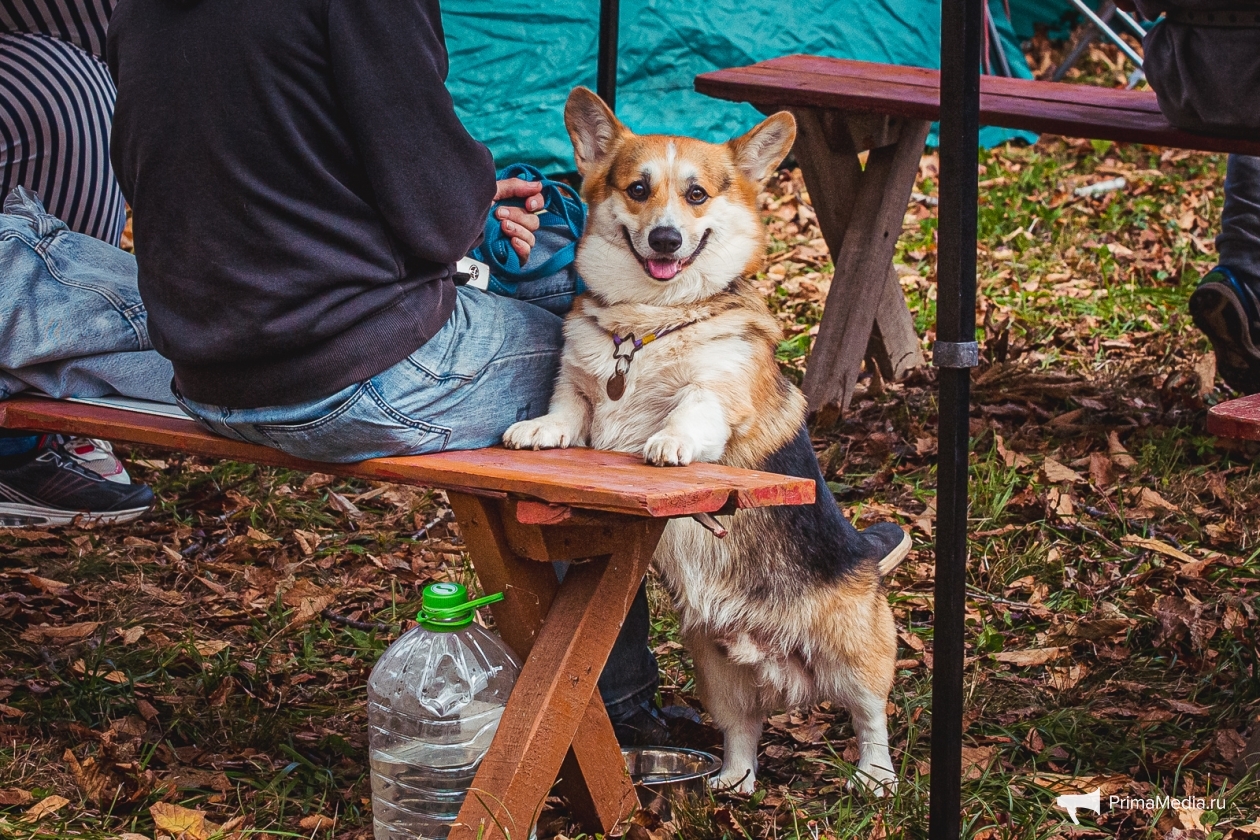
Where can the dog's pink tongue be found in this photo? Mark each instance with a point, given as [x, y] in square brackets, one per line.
[664, 269]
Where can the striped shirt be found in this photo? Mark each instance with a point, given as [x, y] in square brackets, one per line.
[80, 22]
[56, 106]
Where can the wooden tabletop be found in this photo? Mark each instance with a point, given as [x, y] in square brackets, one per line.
[1238, 418]
[1127, 116]
[585, 478]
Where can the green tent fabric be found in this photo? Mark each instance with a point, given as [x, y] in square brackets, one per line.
[513, 63]
[1058, 16]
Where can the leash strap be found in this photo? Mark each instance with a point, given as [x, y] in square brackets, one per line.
[563, 211]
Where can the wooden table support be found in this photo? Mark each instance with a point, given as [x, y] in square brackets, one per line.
[860, 211]
[555, 724]
[519, 512]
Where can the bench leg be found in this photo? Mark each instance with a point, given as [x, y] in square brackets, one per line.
[894, 344]
[555, 723]
[860, 212]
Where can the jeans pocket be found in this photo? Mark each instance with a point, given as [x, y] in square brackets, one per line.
[364, 426]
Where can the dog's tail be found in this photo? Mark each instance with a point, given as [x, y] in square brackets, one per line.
[890, 561]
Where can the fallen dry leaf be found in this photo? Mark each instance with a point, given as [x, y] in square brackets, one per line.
[1057, 473]
[343, 504]
[1119, 455]
[316, 480]
[64, 634]
[131, 635]
[1150, 501]
[975, 760]
[1157, 546]
[207, 648]
[1027, 658]
[182, 823]
[1187, 708]
[14, 796]
[1102, 470]
[1062, 679]
[47, 805]
[317, 822]
[1010, 457]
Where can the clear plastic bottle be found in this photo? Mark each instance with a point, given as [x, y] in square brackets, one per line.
[434, 702]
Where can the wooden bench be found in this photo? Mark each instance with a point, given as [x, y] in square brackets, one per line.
[844, 108]
[516, 509]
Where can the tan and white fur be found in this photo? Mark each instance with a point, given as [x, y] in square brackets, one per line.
[789, 608]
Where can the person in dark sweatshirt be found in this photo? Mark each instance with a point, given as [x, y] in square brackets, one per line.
[301, 190]
[1203, 62]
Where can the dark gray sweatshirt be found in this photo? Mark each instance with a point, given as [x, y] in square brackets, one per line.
[300, 184]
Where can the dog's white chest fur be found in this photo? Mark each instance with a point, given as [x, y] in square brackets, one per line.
[651, 381]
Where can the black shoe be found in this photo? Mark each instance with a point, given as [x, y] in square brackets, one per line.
[1225, 309]
[889, 545]
[651, 726]
[52, 488]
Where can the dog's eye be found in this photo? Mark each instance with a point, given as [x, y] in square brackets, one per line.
[697, 195]
[638, 190]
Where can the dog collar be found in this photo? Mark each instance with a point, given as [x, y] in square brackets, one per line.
[624, 348]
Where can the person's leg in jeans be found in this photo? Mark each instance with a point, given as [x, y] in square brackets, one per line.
[1238, 244]
[55, 106]
[1226, 304]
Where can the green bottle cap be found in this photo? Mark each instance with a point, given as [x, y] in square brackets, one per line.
[445, 606]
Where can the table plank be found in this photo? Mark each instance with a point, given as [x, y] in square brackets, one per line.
[586, 478]
[1238, 418]
[914, 93]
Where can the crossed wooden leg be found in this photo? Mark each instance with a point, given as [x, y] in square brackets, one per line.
[555, 723]
[860, 210]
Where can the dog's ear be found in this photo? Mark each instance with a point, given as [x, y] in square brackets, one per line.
[759, 151]
[593, 128]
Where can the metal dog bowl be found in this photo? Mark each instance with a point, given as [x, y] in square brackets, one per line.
[667, 776]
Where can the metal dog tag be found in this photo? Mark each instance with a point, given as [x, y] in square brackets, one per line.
[616, 386]
[623, 352]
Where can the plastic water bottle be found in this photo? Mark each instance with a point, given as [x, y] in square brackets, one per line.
[434, 702]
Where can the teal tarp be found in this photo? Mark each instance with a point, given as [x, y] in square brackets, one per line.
[514, 62]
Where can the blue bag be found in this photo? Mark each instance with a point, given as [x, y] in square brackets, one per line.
[549, 278]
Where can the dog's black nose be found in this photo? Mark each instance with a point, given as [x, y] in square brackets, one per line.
[665, 240]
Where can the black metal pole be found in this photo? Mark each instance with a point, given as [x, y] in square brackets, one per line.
[962, 23]
[606, 78]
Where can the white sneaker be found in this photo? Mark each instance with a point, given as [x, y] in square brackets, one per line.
[98, 456]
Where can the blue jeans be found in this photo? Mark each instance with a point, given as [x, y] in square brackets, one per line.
[71, 322]
[1238, 244]
[491, 364]
[72, 325]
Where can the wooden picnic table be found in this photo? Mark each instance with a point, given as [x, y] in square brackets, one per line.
[518, 511]
[846, 108]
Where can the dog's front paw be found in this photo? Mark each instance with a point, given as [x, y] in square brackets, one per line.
[665, 450]
[734, 780]
[543, 433]
[879, 781]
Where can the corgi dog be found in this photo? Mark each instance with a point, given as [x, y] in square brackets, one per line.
[670, 355]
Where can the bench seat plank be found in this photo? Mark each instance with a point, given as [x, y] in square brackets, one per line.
[584, 478]
[911, 92]
[1238, 418]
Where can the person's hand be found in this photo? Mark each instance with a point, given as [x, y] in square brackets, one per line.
[519, 223]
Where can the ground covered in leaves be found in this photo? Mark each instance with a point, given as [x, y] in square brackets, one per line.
[201, 673]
